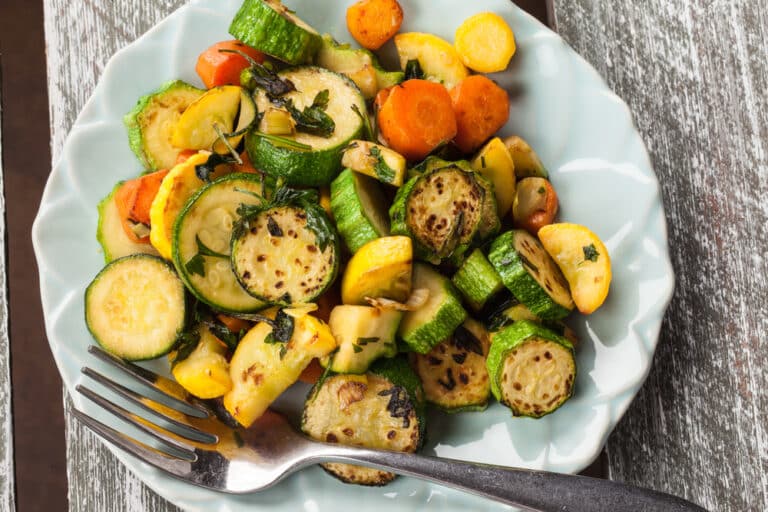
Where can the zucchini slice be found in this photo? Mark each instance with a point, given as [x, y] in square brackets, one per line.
[136, 307]
[512, 311]
[310, 160]
[201, 238]
[453, 373]
[441, 210]
[278, 256]
[151, 123]
[272, 28]
[363, 334]
[359, 209]
[532, 369]
[477, 280]
[381, 409]
[531, 275]
[110, 234]
[380, 269]
[205, 372]
[377, 161]
[437, 318]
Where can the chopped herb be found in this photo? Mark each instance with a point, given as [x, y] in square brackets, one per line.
[259, 75]
[482, 161]
[204, 171]
[283, 350]
[465, 340]
[238, 439]
[222, 332]
[273, 227]
[317, 222]
[185, 345]
[282, 329]
[357, 348]
[413, 70]
[196, 264]
[312, 119]
[590, 253]
[284, 142]
[364, 341]
[367, 128]
[542, 190]
[399, 406]
[383, 171]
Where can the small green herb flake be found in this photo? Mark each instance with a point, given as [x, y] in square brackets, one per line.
[238, 439]
[357, 348]
[364, 341]
[196, 265]
[186, 344]
[311, 119]
[367, 128]
[482, 162]
[206, 251]
[542, 190]
[383, 171]
[590, 253]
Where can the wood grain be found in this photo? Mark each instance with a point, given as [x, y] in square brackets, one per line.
[7, 494]
[695, 74]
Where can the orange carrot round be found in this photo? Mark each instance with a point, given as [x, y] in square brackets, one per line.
[481, 107]
[373, 22]
[223, 68]
[416, 118]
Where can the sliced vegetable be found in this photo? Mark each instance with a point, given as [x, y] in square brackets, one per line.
[359, 209]
[263, 367]
[381, 409]
[437, 318]
[363, 334]
[205, 371]
[373, 22]
[152, 121]
[417, 117]
[532, 369]
[201, 238]
[438, 59]
[527, 162]
[485, 42]
[477, 280]
[481, 107]
[134, 199]
[453, 373]
[584, 260]
[310, 159]
[495, 164]
[272, 28]
[136, 307]
[216, 67]
[110, 233]
[217, 107]
[381, 268]
[535, 204]
[513, 311]
[285, 254]
[376, 161]
[531, 275]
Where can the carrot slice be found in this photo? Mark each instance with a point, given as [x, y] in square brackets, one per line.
[124, 199]
[481, 107]
[221, 68]
[416, 118]
[149, 184]
[373, 22]
[234, 324]
[247, 165]
[381, 98]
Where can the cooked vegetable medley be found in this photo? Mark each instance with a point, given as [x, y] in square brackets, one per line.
[306, 214]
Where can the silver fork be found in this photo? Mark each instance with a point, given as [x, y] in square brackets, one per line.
[203, 450]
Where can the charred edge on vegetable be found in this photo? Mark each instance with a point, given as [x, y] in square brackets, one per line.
[465, 340]
[273, 227]
[205, 170]
[400, 405]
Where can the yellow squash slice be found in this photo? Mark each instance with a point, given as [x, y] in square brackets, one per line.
[205, 372]
[438, 58]
[380, 268]
[195, 128]
[485, 42]
[495, 163]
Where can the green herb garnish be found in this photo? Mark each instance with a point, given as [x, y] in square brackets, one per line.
[196, 265]
[383, 171]
[590, 253]
[413, 70]
[312, 119]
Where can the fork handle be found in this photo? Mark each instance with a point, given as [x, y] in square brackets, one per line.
[532, 490]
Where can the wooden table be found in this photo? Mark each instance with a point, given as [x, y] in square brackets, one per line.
[694, 74]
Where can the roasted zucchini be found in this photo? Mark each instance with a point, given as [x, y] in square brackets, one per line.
[377, 161]
[359, 208]
[477, 280]
[363, 334]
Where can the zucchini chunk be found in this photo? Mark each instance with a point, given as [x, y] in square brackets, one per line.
[359, 209]
[511, 311]
[527, 162]
[136, 307]
[201, 239]
[205, 371]
[309, 160]
[363, 334]
[437, 318]
[530, 274]
[441, 210]
[377, 161]
[279, 257]
[453, 373]
[381, 409]
[263, 367]
[477, 280]
[272, 28]
[437, 57]
[110, 234]
[380, 269]
[151, 123]
[532, 369]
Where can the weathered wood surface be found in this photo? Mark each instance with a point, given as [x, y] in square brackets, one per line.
[695, 74]
[7, 494]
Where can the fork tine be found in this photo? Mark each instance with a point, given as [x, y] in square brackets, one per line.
[184, 430]
[155, 430]
[157, 458]
[195, 409]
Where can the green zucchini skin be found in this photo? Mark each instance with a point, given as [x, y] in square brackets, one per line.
[155, 281]
[269, 27]
[358, 207]
[318, 166]
[110, 235]
[517, 338]
[517, 274]
[228, 297]
[152, 119]
[477, 280]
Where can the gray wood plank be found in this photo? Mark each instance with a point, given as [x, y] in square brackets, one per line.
[7, 493]
[695, 75]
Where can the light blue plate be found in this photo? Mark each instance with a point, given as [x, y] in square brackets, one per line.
[599, 167]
